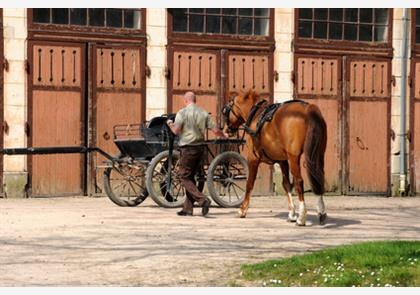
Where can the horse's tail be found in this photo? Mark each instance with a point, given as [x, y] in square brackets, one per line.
[314, 148]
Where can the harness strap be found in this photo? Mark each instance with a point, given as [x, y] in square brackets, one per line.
[251, 116]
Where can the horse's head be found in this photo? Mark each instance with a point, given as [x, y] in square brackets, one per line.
[236, 111]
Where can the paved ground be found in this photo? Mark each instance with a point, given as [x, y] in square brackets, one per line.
[92, 242]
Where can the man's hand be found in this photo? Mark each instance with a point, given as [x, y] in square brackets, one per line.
[169, 122]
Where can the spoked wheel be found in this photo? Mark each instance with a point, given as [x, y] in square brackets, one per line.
[156, 181]
[124, 183]
[226, 179]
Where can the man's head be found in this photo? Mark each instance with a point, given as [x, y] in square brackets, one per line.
[189, 97]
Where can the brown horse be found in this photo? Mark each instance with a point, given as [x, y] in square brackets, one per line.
[294, 127]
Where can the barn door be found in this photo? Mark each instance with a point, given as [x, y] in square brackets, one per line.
[118, 97]
[196, 71]
[318, 81]
[368, 139]
[250, 70]
[56, 118]
[415, 126]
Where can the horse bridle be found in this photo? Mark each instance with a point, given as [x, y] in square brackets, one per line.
[227, 109]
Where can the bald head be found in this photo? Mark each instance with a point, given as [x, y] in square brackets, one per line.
[189, 97]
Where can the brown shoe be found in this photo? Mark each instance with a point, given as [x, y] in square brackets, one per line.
[206, 206]
[183, 213]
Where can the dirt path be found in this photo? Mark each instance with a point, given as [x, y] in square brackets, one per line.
[91, 242]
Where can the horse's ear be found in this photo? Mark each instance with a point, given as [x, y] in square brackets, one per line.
[231, 95]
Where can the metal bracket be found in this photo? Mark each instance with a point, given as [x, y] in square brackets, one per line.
[293, 77]
[27, 66]
[27, 129]
[276, 76]
[393, 80]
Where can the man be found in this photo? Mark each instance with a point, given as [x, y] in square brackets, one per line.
[190, 125]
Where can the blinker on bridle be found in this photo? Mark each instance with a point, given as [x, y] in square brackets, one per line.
[227, 109]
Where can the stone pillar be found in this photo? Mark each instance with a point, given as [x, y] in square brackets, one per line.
[156, 29]
[283, 64]
[15, 99]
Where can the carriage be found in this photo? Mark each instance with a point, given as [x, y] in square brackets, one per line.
[147, 164]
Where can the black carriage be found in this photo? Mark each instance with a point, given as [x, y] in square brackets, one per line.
[147, 164]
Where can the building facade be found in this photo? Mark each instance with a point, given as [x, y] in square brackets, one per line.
[70, 75]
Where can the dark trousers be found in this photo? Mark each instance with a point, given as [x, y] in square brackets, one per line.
[189, 164]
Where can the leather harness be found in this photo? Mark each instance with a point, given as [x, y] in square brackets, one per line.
[265, 116]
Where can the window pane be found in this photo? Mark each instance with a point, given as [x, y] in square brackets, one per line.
[305, 13]
[320, 30]
[350, 32]
[336, 14]
[179, 20]
[305, 29]
[321, 13]
[196, 23]
[231, 11]
[229, 25]
[96, 17]
[417, 35]
[351, 14]
[245, 11]
[78, 16]
[41, 15]
[213, 10]
[381, 16]
[60, 16]
[197, 10]
[132, 19]
[336, 31]
[366, 15]
[114, 18]
[261, 11]
[245, 26]
[261, 27]
[213, 24]
[365, 33]
[381, 34]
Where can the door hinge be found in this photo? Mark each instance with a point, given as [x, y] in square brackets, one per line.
[5, 127]
[27, 66]
[167, 73]
[393, 80]
[5, 64]
[276, 76]
[27, 129]
[410, 82]
[147, 71]
[293, 77]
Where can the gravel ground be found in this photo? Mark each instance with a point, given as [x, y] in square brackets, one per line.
[82, 241]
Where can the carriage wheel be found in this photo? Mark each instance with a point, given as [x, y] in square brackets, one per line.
[226, 179]
[156, 176]
[124, 183]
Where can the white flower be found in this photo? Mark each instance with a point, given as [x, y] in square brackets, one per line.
[264, 283]
[372, 273]
[301, 274]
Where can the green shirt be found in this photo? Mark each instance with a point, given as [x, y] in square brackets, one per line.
[193, 122]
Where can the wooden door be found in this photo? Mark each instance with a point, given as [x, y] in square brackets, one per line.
[56, 117]
[368, 122]
[318, 81]
[118, 97]
[250, 70]
[415, 126]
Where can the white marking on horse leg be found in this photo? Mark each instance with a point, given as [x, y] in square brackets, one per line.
[302, 214]
[292, 214]
[321, 205]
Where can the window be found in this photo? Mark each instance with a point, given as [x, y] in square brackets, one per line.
[225, 21]
[89, 17]
[417, 25]
[344, 24]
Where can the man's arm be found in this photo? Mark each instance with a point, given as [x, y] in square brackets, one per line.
[174, 127]
[219, 133]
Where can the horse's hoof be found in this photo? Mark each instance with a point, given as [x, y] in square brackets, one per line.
[300, 224]
[241, 215]
[322, 218]
[291, 219]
